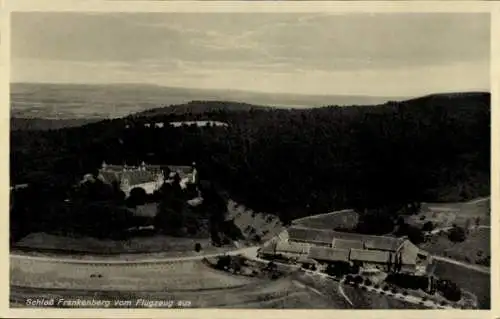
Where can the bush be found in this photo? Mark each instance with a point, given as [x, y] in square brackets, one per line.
[408, 281]
[457, 234]
[485, 261]
[428, 226]
[386, 288]
[256, 238]
[449, 290]
[137, 197]
[197, 247]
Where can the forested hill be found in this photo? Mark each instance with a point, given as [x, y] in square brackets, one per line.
[198, 109]
[291, 161]
[41, 124]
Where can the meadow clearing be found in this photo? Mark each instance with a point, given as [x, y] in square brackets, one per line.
[177, 276]
[475, 249]
[449, 214]
[470, 280]
[339, 220]
[282, 293]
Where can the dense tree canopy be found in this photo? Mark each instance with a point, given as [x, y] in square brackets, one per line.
[290, 162]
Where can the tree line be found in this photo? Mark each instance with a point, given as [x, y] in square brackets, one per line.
[293, 163]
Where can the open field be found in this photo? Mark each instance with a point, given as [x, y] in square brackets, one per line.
[345, 220]
[167, 245]
[371, 300]
[72, 101]
[447, 214]
[475, 247]
[180, 276]
[470, 280]
[282, 293]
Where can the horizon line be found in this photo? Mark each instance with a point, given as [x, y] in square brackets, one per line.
[471, 90]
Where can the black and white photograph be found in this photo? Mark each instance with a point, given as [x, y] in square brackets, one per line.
[250, 160]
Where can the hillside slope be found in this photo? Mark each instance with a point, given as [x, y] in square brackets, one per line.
[290, 161]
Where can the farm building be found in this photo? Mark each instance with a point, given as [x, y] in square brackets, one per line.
[285, 249]
[293, 249]
[371, 257]
[326, 254]
[366, 250]
[347, 244]
[318, 237]
[322, 237]
[411, 256]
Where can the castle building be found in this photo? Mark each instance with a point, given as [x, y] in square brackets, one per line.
[148, 177]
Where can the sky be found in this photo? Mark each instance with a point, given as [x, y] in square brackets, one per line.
[397, 54]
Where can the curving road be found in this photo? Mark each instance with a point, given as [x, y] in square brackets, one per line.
[247, 251]
[437, 230]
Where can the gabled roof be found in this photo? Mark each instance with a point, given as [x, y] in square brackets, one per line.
[382, 243]
[316, 236]
[293, 248]
[347, 244]
[376, 256]
[409, 253]
[322, 236]
[328, 254]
